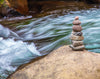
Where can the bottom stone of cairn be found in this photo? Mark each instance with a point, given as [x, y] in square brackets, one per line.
[77, 43]
[78, 48]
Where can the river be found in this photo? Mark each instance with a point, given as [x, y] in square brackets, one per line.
[40, 36]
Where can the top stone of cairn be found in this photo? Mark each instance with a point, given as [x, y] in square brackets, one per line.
[76, 21]
[77, 27]
[76, 18]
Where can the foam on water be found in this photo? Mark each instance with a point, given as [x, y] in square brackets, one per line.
[13, 54]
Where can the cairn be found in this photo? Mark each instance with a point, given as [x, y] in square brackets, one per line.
[77, 36]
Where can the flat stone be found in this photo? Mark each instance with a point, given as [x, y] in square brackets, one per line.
[77, 33]
[77, 43]
[76, 38]
[79, 48]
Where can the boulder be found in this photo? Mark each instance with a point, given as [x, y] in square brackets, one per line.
[62, 63]
[20, 5]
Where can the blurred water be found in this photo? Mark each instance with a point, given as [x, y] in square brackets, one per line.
[14, 53]
[42, 35]
[51, 32]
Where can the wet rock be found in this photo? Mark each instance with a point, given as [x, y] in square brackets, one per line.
[62, 63]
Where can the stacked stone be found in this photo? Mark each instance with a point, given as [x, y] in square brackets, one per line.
[77, 36]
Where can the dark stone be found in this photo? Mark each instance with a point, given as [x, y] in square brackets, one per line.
[92, 1]
[13, 12]
[78, 33]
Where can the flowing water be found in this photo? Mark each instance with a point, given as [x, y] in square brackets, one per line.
[20, 44]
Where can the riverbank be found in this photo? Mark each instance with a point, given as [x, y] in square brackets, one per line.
[57, 8]
[62, 63]
[42, 8]
[31, 7]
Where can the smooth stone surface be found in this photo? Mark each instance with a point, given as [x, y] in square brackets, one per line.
[77, 43]
[78, 48]
[76, 18]
[62, 63]
[76, 38]
[76, 22]
[77, 28]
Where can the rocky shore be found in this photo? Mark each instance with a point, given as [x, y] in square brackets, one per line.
[62, 63]
[30, 7]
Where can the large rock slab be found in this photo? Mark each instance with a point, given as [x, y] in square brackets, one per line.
[62, 63]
